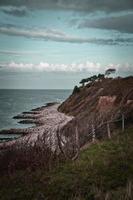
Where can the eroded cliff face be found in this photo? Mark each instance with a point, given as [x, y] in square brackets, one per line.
[106, 103]
[95, 104]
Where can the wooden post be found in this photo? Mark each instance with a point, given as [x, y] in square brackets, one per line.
[60, 143]
[108, 131]
[123, 123]
[77, 144]
[129, 190]
[77, 138]
[93, 133]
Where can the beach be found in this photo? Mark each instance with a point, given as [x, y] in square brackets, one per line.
[46, 119]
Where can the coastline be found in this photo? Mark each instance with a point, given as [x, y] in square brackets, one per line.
[47, 119]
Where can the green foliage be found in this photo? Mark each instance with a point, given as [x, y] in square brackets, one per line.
[83, 81]
[100, 76]
[76, 90]
[103, 169]
[92, 79]
[110, 71]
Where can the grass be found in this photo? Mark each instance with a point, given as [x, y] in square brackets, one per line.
[103, 171]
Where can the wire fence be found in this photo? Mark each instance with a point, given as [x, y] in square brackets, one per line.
[76, 141]
[106, 126]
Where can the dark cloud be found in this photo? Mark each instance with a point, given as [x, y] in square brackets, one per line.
[19, 12]
[59, 36]
[123, 23]
[80, 5]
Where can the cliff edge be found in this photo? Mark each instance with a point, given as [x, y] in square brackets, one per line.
[96, 104]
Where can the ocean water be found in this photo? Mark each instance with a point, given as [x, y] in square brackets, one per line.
[13, 102]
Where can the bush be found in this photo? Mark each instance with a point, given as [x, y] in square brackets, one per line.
[76, 90]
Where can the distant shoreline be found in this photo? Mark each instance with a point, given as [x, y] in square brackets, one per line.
[23, 116]
[14, 102]
[46, 119]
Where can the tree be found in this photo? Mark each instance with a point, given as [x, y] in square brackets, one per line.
[83, 81]
[93, 78]
[100, 76]
[110, 71]
[76, 90]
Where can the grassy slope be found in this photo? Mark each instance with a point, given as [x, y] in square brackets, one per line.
[103, 170]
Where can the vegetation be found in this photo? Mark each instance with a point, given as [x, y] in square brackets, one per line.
[92, 79]
[97, 77]
[110, 71]
[76, 90]
[103, 171]
[83, 81]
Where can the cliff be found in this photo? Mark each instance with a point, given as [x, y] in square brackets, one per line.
[102, 171]
[97, 103]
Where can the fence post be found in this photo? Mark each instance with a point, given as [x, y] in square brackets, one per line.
[123, 123]
[93, 133]
[108, 130]
[77, 144]
[60, 143]
[77, 138]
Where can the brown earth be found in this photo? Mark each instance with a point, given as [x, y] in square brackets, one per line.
[97, 103]
[90, 108]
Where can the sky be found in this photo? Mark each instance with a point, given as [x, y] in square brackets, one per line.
[53, 44]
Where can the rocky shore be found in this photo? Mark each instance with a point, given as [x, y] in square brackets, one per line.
[46, 119]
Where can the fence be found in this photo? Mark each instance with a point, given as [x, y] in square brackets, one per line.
[92, 136]
[107, 124]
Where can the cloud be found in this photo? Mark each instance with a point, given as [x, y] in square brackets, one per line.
[122, 68]
[15, 11]
[44, 66]
[59, 36]
[18, 53]
[78, 5]
[123, 23]
[73, 67]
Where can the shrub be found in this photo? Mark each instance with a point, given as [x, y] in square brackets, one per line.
[76, 90]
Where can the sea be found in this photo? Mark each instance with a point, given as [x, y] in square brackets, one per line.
[14, 102]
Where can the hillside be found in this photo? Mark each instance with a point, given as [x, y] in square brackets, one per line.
[83, 100]
[97, 103]
[103, 171]
[94, 155]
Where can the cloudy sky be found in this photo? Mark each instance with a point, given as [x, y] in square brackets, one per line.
[51, 44]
